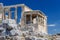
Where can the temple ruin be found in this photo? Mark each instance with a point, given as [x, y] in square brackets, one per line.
[33, 23]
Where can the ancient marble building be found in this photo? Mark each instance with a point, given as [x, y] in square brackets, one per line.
[33, 23]
[36, 19]
[32, 17]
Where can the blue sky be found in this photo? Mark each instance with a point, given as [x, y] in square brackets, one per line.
[50, 7]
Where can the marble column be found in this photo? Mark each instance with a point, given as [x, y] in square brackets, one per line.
[3, 14]
[22, 12]
[9, 13]
[37, 19]
[25, 19]
[16, 14]
[31, 18]
[4, 17]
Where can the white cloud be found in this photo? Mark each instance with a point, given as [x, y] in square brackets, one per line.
[52, 25]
